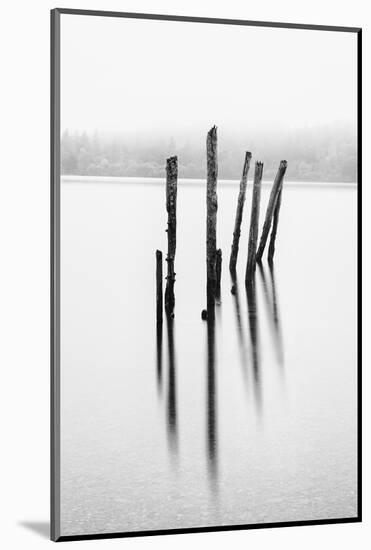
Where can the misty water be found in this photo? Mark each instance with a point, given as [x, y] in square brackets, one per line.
[250, 420]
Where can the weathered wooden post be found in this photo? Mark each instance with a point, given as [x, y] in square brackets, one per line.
[270, 208]
[212, 208]
[159, 286]
[254, 223]
[218, 272]
[239, 213]
[171, 194]
[276, 216]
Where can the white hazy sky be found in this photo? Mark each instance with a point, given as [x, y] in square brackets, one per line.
[138, 76]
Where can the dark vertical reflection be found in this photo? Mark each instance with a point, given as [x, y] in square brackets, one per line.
[272, 309]
[265, 286]
[218, 276]
[240, 332]
[211, 407]
[276, 316]
[171, 395]
[159, 355]
[254, 338]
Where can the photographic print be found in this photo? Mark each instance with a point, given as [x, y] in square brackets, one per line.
[205, 193]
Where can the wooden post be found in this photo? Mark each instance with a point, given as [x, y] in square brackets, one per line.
[171, 194]
[218, 272]
[212, 208]
[270, 209]
[276, 216]
[254, 223]
[239, 213]
[159, 286]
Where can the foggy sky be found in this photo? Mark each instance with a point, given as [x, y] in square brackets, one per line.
[176, 78]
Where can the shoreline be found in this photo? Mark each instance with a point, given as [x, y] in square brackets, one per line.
[192, 181]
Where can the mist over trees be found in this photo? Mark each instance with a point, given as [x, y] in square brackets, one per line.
[313, 154]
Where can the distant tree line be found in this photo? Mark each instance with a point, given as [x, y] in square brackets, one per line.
[321, 154]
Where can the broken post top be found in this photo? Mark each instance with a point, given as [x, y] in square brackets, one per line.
[277, 184]
[258, 171]
[172, 166]
[278, 181]
[212, 133]
[280, 173]
[171, 182]
[248, 156]
[211, 140]
[245, 170]
[211, 145]
[282, 167]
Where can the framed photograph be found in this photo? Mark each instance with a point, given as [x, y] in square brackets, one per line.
[205, 286]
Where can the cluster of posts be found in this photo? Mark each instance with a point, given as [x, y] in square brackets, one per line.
[213, 254]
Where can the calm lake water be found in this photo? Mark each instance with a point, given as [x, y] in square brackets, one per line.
[251, 421]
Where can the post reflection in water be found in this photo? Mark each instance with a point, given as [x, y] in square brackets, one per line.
[247, 341]
[272, 309]
[254, 338]
[276, 316]
[240, 331]
[171, 394]
[211, 407]
[159, 355]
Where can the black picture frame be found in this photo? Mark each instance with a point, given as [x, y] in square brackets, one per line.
[55, 270]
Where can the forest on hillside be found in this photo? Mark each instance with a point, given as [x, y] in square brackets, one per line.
[313, 154]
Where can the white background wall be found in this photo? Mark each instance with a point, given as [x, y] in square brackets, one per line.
[24, 268]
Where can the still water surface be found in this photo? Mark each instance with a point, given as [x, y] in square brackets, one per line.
[250, 420]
